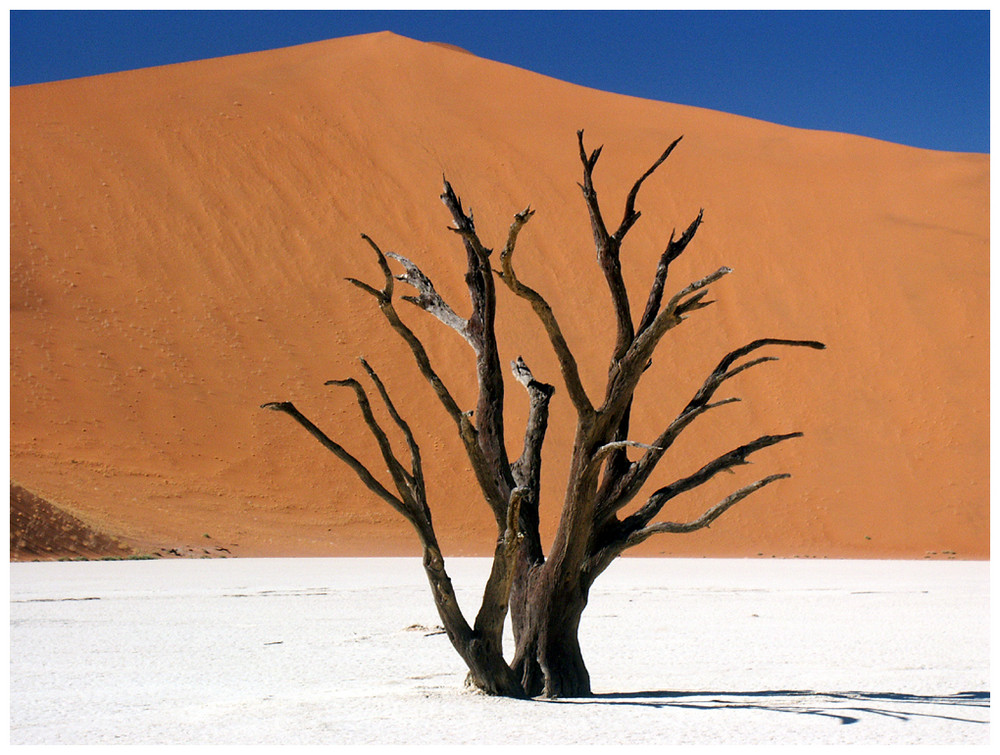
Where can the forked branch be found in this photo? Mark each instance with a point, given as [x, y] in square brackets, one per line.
[631, 215]
[411, 491]
[608, 250]
[722, 372]
[625, 374]
[687, 299]
[705, 519]
[384, 299]
[608, 245]
[629, 533]
[638, 473]
[366, 477]
[416, 465]
[725, 462]
[674, 249]
[465, 227]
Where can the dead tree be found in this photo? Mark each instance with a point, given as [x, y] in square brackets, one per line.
[546, 594]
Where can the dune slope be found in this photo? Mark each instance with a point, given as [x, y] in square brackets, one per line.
[180, 238]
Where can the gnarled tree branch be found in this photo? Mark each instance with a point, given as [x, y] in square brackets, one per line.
[482, 336]
[608, 245]
[527, 470]
[416, 465]
[429, 299]
[567, 362]
[631, 215]
[467, 431]
[384, 299]
[705, 519]
[608, 249]
[405, 481]
[625, 374]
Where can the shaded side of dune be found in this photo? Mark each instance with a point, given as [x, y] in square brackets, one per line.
[40, 530]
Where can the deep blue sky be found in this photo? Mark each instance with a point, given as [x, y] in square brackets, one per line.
[918, 78]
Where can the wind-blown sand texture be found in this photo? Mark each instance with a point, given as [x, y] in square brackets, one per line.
[180, 238]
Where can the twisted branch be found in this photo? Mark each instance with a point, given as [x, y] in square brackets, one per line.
[410, 484]
[628, 220]
[625, 374]
[384, 299]
[608, 248]
[630, 533]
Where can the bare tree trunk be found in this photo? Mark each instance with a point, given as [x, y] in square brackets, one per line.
[548, 656]
[488, 670]
[525, 663]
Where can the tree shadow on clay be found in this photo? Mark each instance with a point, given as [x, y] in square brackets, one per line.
[847, 707]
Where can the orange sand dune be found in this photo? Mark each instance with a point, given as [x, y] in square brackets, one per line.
[180, 236]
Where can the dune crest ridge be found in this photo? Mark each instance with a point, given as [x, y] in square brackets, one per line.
[180, 238]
